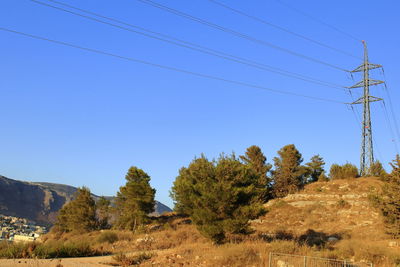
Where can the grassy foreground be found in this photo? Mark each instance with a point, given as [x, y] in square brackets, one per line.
[182, 245]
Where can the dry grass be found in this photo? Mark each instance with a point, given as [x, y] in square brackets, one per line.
[126, 260]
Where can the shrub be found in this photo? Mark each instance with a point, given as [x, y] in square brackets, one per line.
[125, 260]
[13, 250]
[53, 249]
[343, 172]
[377, 170]
[107, 237]
[58, 249]
[343, 204]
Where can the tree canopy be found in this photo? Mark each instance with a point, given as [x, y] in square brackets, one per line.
[390, 202]
[79, 214]
[256, 160]
[220, 196]
[289, 175]
[315, 169]
[135, 200]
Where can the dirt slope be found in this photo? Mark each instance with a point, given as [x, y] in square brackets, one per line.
[339, 208]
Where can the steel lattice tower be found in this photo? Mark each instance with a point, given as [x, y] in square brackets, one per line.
[367, 150]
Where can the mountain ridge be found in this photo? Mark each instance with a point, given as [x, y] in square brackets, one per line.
[40, 201]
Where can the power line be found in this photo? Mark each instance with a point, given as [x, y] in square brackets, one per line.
[97, 51]
[188, 45]
[386, 115]
[263, 21]
[319, 21]
[391, 106]
[238, 34]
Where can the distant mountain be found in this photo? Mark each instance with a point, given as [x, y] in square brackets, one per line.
[40, 201]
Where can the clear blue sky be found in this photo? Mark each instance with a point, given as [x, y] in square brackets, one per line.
[74, 117]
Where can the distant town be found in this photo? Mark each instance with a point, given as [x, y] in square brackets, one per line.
[19, 229]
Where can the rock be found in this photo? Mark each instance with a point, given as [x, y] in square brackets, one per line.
[333, 239]
[145, 239]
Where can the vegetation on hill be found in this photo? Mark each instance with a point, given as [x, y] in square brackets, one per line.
[220, 196]
[377, 170]
[315, 169]
[316, 229]
[289, 175]
[255, 159]
[79, 214]
[389, 202]
[345, 171]
[135, 200]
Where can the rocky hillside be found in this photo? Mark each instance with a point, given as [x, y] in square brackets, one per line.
[40, 202]
[336, 208]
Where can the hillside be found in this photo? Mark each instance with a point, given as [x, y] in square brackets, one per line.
[39, 201]
[338, 208]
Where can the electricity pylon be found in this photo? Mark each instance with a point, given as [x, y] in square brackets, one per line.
[367, 150]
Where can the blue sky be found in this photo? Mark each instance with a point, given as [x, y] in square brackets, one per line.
[79, 118]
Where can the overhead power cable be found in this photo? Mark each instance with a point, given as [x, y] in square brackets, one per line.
[263, 21]
[185, 44]
[239, 34]
[387, 118]
[207, 76]
[391, 107]
[351, 36]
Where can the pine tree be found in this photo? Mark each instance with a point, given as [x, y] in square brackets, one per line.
[256, 160]
[376, 170]
[135, 200]
[220, 196]
[390, 203]
[185, 189]
[103, 210]
[315, 168]
[79, 214]
[289, 175]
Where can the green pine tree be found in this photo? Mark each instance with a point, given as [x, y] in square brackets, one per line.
[315, 168]
[220, 196]
[135, 200]
[390, 202]
[256, 160]
[79, 214]
[289, 175]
